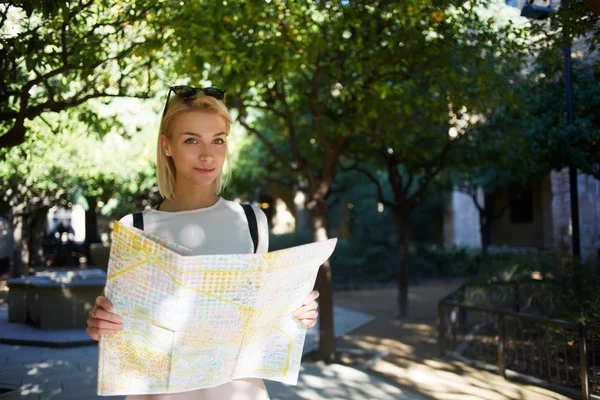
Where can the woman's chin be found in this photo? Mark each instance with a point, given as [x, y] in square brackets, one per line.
[201, 180]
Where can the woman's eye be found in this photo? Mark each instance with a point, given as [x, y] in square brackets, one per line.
[217, 141]
[188, 140]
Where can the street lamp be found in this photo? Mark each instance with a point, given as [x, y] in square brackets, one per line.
[533, 11]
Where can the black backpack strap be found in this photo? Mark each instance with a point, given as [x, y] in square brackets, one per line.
[251, 217]
[138, 220]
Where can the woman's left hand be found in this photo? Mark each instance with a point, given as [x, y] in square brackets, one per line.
[307, 314]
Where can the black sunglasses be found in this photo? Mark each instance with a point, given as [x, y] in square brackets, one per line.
[187, 92]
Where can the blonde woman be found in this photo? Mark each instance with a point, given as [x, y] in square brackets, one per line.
[191, 152]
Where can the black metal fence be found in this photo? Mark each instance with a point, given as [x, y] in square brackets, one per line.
[561, 354]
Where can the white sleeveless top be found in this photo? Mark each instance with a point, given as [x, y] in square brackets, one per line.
[219, 229]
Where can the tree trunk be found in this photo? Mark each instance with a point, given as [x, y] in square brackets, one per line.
[20, 250]
[37, 230]
[402, 270]
[91, 226]
[484, 228]
[326, 335]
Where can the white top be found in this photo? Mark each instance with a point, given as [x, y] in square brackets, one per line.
[219, 229]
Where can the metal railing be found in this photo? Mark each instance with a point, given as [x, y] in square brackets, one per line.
[563, 355]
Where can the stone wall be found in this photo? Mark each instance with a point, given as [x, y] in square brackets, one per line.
[461, 222]
[589, 213]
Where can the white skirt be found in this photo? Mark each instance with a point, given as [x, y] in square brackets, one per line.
[239, 389]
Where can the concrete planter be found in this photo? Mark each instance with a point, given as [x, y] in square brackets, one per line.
[55, 300]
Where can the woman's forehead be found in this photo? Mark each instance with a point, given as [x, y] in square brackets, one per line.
[199, 122]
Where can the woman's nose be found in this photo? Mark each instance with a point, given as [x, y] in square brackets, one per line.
[206, 152]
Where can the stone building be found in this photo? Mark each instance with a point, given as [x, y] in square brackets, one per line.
[540, 220]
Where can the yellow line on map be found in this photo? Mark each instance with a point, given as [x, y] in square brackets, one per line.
[203, 271]
[203, 292]
[156, 323]
[139, 264]
[245, 271]
[289, 350]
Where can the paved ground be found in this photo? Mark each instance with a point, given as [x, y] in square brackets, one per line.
[413, 361]
[410, 370]
[51, 373]
[70, 374]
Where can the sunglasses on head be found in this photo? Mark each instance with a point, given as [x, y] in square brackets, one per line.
[188, 92]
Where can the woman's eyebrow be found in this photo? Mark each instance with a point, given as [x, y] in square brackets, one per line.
[198, 135]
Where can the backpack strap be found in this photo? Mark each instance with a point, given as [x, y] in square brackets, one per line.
[251, 217]
[138, 220]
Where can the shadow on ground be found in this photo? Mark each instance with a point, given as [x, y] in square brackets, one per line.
[413, 354]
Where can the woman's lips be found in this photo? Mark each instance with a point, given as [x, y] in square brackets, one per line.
[205, 170]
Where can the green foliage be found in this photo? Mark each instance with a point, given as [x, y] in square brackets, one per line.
[573, 20]
[505, 265]
[432, 261]
[70, 166]
[573, 296]
[58, 55]
[454, 77]
[556, 144]
[300, 237]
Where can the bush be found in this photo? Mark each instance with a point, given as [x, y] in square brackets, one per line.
[434, 261]
[508, 265]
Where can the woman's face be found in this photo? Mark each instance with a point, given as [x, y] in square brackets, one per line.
[198, 147]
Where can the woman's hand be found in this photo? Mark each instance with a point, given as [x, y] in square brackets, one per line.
[101, 321]
[307, 314]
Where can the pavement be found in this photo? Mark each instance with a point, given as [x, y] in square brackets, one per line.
[412, 359]
[400, 359]
[36, 372]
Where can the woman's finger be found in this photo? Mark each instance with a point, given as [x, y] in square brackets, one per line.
[311, 306]
[92, 332]
[308, 315]
[312, 296]
[99, 323]
[95, 333]
[101, 313]
[309, 323]
[103, 302]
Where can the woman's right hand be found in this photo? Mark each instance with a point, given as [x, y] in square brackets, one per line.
[101, 320]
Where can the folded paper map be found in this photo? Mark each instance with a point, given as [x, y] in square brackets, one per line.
[194, 322]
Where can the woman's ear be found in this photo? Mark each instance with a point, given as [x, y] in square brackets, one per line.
[164, 144]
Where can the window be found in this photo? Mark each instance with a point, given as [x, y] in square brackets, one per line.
[521, 204]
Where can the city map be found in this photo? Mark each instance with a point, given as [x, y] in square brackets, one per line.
[193, 322]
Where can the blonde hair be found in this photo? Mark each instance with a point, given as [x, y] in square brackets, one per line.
[165, 167]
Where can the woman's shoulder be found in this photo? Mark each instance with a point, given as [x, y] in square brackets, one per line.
[127, 220]
[238, 207]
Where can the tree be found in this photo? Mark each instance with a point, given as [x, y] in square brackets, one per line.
[558, 143]
[65, 168]
[563, 144]
[58, 55]
[497, 154]
[454, 72]
[30, 187]
[280, 63]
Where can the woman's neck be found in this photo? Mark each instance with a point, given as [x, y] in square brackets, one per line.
[190, 199]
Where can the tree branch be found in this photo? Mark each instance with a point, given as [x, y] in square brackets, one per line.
[432, 173]
[290, 124]
[314, 113]
[373, 178]
[269, 145]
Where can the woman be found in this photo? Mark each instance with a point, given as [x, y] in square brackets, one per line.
[191, 152]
